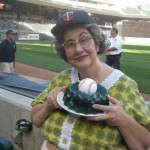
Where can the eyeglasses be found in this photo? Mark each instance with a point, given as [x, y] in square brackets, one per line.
[84, 42]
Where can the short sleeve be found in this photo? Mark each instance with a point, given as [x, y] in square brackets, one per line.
[62, 79]
[137, 106]
[126, 91]
[118, 43]
[0, 48]
[15, 47]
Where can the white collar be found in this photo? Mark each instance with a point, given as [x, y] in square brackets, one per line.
[107, 83]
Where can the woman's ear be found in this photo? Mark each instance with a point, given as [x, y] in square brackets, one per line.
[97, 47]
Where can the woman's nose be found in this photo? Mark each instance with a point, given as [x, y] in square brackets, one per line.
[78, 47]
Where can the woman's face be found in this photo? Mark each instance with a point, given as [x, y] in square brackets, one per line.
[81, 54]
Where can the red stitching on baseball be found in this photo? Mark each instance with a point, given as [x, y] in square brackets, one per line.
[82, 82]
[90, 87]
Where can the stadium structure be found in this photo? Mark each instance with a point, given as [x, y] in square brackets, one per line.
[38, 16]
[33, 20]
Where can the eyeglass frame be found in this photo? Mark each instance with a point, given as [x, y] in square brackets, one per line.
[77, 41]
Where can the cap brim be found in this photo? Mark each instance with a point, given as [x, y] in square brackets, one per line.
[13, 33]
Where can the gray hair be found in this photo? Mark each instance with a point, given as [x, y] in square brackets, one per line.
[93, 29]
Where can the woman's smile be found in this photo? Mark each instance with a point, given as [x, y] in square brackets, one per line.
[81, 58]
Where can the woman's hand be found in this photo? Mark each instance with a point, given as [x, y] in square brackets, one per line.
[52, 97]
[115, 115]
[136, 136]
[41, 112]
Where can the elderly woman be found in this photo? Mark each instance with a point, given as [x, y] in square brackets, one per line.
[125, 124]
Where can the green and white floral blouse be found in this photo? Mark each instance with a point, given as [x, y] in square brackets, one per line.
[72, 132]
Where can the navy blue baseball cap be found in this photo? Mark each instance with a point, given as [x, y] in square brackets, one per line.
[71, 17]
[10, 32]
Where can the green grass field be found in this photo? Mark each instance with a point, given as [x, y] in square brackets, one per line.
[135, 60]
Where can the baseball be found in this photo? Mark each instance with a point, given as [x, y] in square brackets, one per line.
[88, 86]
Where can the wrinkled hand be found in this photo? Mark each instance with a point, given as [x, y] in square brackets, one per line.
[115, 115]
[52, 97]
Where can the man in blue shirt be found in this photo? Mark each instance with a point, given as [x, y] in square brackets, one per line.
[7, 53]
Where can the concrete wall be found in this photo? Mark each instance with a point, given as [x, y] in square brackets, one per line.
[134, 31]
[12, 108]
[139, 29]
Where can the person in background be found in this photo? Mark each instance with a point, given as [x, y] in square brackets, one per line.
[113, 53]
[7, 53]
[126, 124]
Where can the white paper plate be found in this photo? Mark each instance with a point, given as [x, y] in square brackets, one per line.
[61, 103]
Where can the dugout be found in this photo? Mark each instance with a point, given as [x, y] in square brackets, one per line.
[16, 94]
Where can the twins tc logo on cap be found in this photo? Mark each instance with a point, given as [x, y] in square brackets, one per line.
[68, 16]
